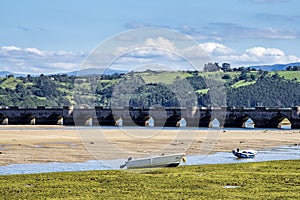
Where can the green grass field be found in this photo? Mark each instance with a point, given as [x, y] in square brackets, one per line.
[242, 83]
[265, 180]
[289, 75]
[203, 91]
[10, 83]
[162, 77]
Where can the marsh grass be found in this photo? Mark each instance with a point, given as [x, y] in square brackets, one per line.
[264, 180]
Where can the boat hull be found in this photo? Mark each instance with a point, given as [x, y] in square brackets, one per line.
[240, 155]
[156, 161]
[244, 153]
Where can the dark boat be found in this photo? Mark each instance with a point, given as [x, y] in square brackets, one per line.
[248, 153]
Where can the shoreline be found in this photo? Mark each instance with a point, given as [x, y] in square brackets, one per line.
[43, 144]
[220, 158]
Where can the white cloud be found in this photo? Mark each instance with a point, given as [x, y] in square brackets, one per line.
[216, 48]
[127, 55]
[34, 51]
[158, 50]
[269, 55]
[35, 61]
[160, 43]
[10, 48]
[194, 52]
[252, 56]
[261, 51]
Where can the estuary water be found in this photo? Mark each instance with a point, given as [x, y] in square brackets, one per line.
[279, 153]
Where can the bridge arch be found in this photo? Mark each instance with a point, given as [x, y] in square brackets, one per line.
[172, 120]
[249, 123]
[3, 119]
[275, 121]
[108, 120]
[204, 121]
[214, 123]
[24, 119]
[210, 122]
[32, 120]
[118, 121]
[245, 121]
[82, 120]
[181, 123]
[144, 120]
[150, 122]
[285, 124]
[55, 119]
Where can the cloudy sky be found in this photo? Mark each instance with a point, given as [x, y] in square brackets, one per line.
[58, 35]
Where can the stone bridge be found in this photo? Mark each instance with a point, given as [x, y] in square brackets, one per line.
[263, 117]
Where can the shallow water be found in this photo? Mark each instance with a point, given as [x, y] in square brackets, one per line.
[279, 153]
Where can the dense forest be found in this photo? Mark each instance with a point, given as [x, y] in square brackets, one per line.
[243, 87]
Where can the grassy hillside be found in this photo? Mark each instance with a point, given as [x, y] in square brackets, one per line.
[169, 77]
[265, 180]
[203, 91]
[60, 90]
[10, 83]
[162, 77]
[289, 75]
[242, 83]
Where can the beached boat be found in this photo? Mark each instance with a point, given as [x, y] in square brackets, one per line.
[172, 160]
[248, 153]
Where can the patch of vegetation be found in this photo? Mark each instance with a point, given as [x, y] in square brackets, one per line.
[242, 83]
[266, 91]
[162, 77]
[203, 91]
[289, 75]
[10, 83]
[272, 180]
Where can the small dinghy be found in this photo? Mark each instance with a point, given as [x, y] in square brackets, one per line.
[154, 161]
[248, 153]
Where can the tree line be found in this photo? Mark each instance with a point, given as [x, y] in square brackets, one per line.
[131, 90]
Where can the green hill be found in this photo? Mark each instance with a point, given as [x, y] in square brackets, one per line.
[150, 88]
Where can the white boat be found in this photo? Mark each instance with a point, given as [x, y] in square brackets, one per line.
[247, 153]
[172, 160]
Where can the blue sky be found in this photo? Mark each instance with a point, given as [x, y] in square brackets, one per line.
[57, 35]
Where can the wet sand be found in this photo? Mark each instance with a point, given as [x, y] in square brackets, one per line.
[38, 144]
